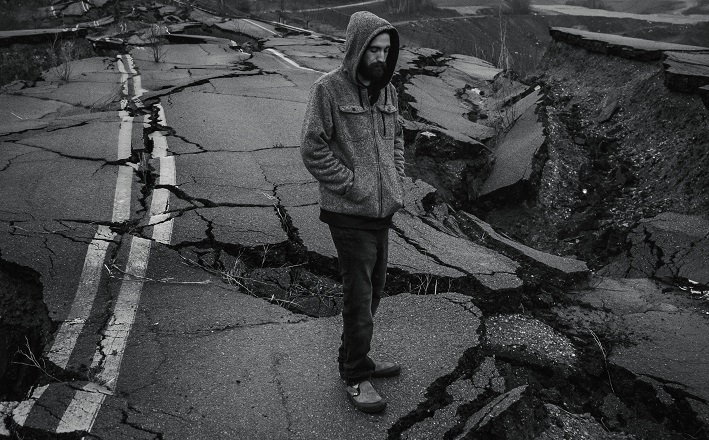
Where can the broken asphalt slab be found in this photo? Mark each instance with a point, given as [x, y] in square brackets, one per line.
[686, 67]
[670, 246]
[515, 153]
[653, 321]
[626, 47]
[686, 72]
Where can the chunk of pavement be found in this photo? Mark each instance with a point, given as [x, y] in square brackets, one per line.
[198, 56]
[461, 391]
[247, 27]
[421, 254]
[515, 154]
[492, 410]
[407, 257]
[16, 108]
[668, 246]
[529, 340]
[88, 94]
[563, 425]
[205, 17]
[95, 69]
[626, 47]
[282, 165]
[562, 270]
[75, 9]
[436, 102]
[217, 178]
[181, 38]
[473, 67]
[409, 57]
[402, 255]
[686, 72]
[273, 86]
[209, 118]
[314, 234]
[654, 323]
[80, 141]
[298, 194]
[626, 296]
[432, 130]
[414, 193]
[245, 226]
[493, 270]
[487, 376]
[296, 40]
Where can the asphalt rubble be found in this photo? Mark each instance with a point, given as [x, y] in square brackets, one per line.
[497, 340]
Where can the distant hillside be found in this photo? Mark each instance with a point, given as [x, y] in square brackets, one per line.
[632, 6]
[525, 36]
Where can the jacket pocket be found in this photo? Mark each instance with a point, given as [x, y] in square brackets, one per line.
[392, 186]
[387, 120]
[361, 186]
[355, 121]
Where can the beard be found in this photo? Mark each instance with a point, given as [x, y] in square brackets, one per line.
[372, 72]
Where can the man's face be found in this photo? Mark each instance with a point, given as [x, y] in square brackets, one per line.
[373, 63]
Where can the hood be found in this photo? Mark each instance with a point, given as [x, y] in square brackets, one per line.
[361, 30]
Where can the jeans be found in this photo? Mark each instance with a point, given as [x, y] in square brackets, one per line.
[362, 255]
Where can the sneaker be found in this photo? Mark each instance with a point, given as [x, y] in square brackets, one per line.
[386, 369]
[365, 398]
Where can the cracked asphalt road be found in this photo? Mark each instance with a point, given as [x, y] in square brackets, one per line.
[144, 219]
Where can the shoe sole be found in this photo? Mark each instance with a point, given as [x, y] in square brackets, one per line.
[369, 408]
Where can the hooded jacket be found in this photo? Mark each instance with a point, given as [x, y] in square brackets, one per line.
[353, 148]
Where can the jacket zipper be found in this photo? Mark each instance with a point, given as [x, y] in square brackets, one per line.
[386, 101]
[379, 158]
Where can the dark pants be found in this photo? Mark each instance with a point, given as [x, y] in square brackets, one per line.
[362, 254]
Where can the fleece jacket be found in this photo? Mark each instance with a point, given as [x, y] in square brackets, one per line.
[353, 148]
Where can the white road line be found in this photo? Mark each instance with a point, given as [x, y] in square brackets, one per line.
[160, 204]
[159, 144]
[69, 331]
[109, 355]
[124, 181]
[84, 408]
[86, 401]
[162, 231]
[20, 414]
[258, 25]
[124, 78]
[289, 61]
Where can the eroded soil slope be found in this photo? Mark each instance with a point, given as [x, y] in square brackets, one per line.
[620, 147]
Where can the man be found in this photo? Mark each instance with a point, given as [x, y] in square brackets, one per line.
[352, 144]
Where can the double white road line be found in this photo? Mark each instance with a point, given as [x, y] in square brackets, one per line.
[81, 412]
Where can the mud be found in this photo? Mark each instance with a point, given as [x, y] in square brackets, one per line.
[25, 328]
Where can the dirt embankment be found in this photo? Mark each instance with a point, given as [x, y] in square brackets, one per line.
[24, 328]
[620, 147]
